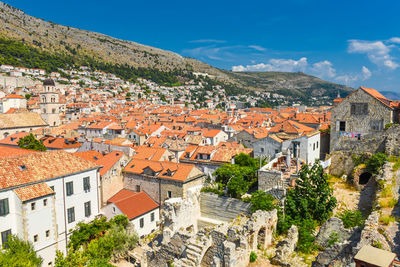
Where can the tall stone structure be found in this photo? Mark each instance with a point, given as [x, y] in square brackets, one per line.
[49, 103]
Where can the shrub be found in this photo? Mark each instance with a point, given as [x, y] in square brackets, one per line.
[377, 244]
[388, 125]
[386, 219]
[333, 238]
[375, 162]
[253, 256]
[351, 218]
[262, 201]
[306, 240]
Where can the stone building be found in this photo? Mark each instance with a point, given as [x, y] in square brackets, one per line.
[161, 180]
[20, 122]
[363, 113]
[49, 103]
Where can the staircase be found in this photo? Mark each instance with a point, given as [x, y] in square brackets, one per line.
[195, 251]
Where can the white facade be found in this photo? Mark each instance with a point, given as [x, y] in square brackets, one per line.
[7, 103]
[46, 225]
[149, 223]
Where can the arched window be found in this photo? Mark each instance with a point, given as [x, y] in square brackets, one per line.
[53, 99]
[54, 110]
[44, 110]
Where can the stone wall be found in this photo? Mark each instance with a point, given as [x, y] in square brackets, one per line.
[180, 213]
[226, 245]
[356, 124]
[222, 208]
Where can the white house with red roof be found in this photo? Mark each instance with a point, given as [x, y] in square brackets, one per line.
[43, 195]
[12, 101]
[141, 210]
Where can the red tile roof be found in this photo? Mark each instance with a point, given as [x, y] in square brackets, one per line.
[33, 191]
[133, 204]
[109, 160]
[36, 167]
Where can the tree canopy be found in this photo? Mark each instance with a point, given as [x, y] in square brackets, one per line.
[19, 253]
[30, 142]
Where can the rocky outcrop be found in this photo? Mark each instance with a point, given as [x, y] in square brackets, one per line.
[333, 231]
[285, 248]
[370, 234]
[341, 163]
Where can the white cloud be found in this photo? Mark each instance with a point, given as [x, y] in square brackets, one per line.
[288, 65]
[352, 79]
[377, 52]
[208, 41]
[258, 48]
[323, 69]
[395, 40]
[366, 73]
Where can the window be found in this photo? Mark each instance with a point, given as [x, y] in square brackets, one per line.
[4, 207]
[53, 110]
[137, 188]
[114, 209]
[88, 211]
[169, 194]
[262, 150]
[70, 188]
[342, 126]
[86, 184]
[4, 236]
[44, 202]
[317, 144]
[35, 238]
[114, 172]
[152, 217]
[71, 214]
[33, 206]
[359, 108]
[47, 233]
[141, 222]
[377, 125]
[314, 147]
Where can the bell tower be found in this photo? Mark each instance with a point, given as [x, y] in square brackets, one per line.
[49, 103]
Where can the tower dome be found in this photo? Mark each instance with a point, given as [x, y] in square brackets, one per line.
[49, 82]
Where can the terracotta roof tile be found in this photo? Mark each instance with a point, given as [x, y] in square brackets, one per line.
[33, 191]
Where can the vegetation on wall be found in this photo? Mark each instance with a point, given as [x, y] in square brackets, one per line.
[98, 242]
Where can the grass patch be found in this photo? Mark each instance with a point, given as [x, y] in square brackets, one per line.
[387, 219]
[351, 218]
[387, 203]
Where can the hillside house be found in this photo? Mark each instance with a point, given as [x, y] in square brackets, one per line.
[363, 112]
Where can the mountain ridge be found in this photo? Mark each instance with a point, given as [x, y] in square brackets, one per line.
[55, 38]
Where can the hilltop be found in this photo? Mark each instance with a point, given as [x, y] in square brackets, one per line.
[81, 47]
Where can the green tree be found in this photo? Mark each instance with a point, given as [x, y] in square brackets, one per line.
[375, 162]
[30, 142]
[27, 96]
[19, 253]
[262, 201]
[311, 198]
[237, 186]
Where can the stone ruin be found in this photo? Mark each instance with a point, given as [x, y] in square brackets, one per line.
[227, 244]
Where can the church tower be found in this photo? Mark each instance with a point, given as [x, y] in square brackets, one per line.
[49, 103]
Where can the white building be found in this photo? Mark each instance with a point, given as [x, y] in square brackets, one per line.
[43, 195]
[141, 210]
[12, 101]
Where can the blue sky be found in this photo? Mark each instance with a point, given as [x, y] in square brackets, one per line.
[356, 43]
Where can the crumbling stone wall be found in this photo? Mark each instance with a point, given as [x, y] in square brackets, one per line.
[228, 244]
[180, 213]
